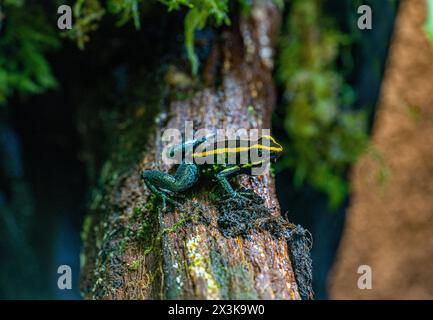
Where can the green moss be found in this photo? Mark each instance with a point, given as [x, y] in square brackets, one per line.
[87, 224]
[144, 231]
[127, 10]
[148, 234]
[147, 237]
[26, 38]
[324, 136]
[87, 14]
[135, 265]
[198, 267]
[219, 272]
[138, 213]
[196, 19]
[199, 12]
[243, 283]
[114, 230]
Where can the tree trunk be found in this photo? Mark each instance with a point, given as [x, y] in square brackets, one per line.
[134, 250]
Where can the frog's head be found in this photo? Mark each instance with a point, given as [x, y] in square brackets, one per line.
[270, 146]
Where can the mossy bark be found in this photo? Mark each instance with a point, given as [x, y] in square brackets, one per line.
[133, 250]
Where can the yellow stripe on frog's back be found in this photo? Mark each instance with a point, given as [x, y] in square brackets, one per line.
[234, 150]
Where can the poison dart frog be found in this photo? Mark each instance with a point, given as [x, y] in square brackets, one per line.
[221, 160]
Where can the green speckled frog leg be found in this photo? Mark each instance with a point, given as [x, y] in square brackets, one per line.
[222, 178]
[160, 183]
[162, 195]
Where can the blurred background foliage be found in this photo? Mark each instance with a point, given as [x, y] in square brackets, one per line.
[324, 135]
[26, 38]
[199, 12]
[429, 22]
[328, 77]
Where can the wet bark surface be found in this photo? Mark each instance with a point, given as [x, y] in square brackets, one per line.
[135, 250]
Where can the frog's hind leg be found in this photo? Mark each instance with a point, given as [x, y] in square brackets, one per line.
[148, 176]
[161, 183]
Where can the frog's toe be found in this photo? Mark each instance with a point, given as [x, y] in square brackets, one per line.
[173, 194]
[179, 195]
[246, 194]
[240, 196]
[167, 199]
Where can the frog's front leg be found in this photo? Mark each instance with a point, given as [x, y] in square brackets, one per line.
[160, 182]
[223, 176]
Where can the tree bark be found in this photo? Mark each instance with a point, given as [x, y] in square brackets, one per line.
[182, 254]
